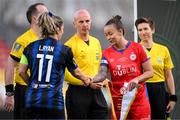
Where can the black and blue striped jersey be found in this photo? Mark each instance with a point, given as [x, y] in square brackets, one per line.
[47, 59]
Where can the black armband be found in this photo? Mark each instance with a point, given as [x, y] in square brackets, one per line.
[9, 88]
[173, 98]
[9, 94]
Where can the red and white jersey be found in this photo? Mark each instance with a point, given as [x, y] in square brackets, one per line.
[125, 65]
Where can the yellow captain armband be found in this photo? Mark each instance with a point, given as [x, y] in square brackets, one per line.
[24, 60]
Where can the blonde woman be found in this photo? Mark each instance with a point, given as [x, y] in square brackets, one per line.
[47, 58]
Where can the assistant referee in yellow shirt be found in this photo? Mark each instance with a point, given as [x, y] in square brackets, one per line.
[15, 100]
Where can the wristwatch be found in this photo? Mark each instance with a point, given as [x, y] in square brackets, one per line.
[9, 94]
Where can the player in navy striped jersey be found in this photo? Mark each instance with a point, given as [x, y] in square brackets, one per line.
[47, 59]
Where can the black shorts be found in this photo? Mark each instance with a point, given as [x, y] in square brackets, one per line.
[85, 103]
[157, 99]
[19, 102]
[45, 113]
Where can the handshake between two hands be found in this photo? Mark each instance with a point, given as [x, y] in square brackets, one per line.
[88, 81]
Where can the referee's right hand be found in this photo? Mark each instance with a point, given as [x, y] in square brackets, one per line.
[87, 81]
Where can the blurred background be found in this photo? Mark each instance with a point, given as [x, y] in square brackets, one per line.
[165, 13]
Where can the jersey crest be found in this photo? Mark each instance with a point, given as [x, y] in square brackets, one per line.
[133, 56]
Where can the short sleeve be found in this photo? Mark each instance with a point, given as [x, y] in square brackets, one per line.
[70, 61]
[17, 50]
[104, 60]
[167, 61]
[143, 54]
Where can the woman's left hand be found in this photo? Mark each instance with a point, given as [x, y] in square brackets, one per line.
[133, 84]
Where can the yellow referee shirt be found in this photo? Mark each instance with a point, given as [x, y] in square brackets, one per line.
[161, 60]
[18, 48]
[86, 56]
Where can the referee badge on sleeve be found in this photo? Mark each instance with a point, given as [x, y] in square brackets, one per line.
[16, 47]
[97, 56]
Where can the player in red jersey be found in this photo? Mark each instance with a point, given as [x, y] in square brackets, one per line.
[129, 67]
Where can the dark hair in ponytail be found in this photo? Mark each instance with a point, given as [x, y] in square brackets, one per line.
[116, 20]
